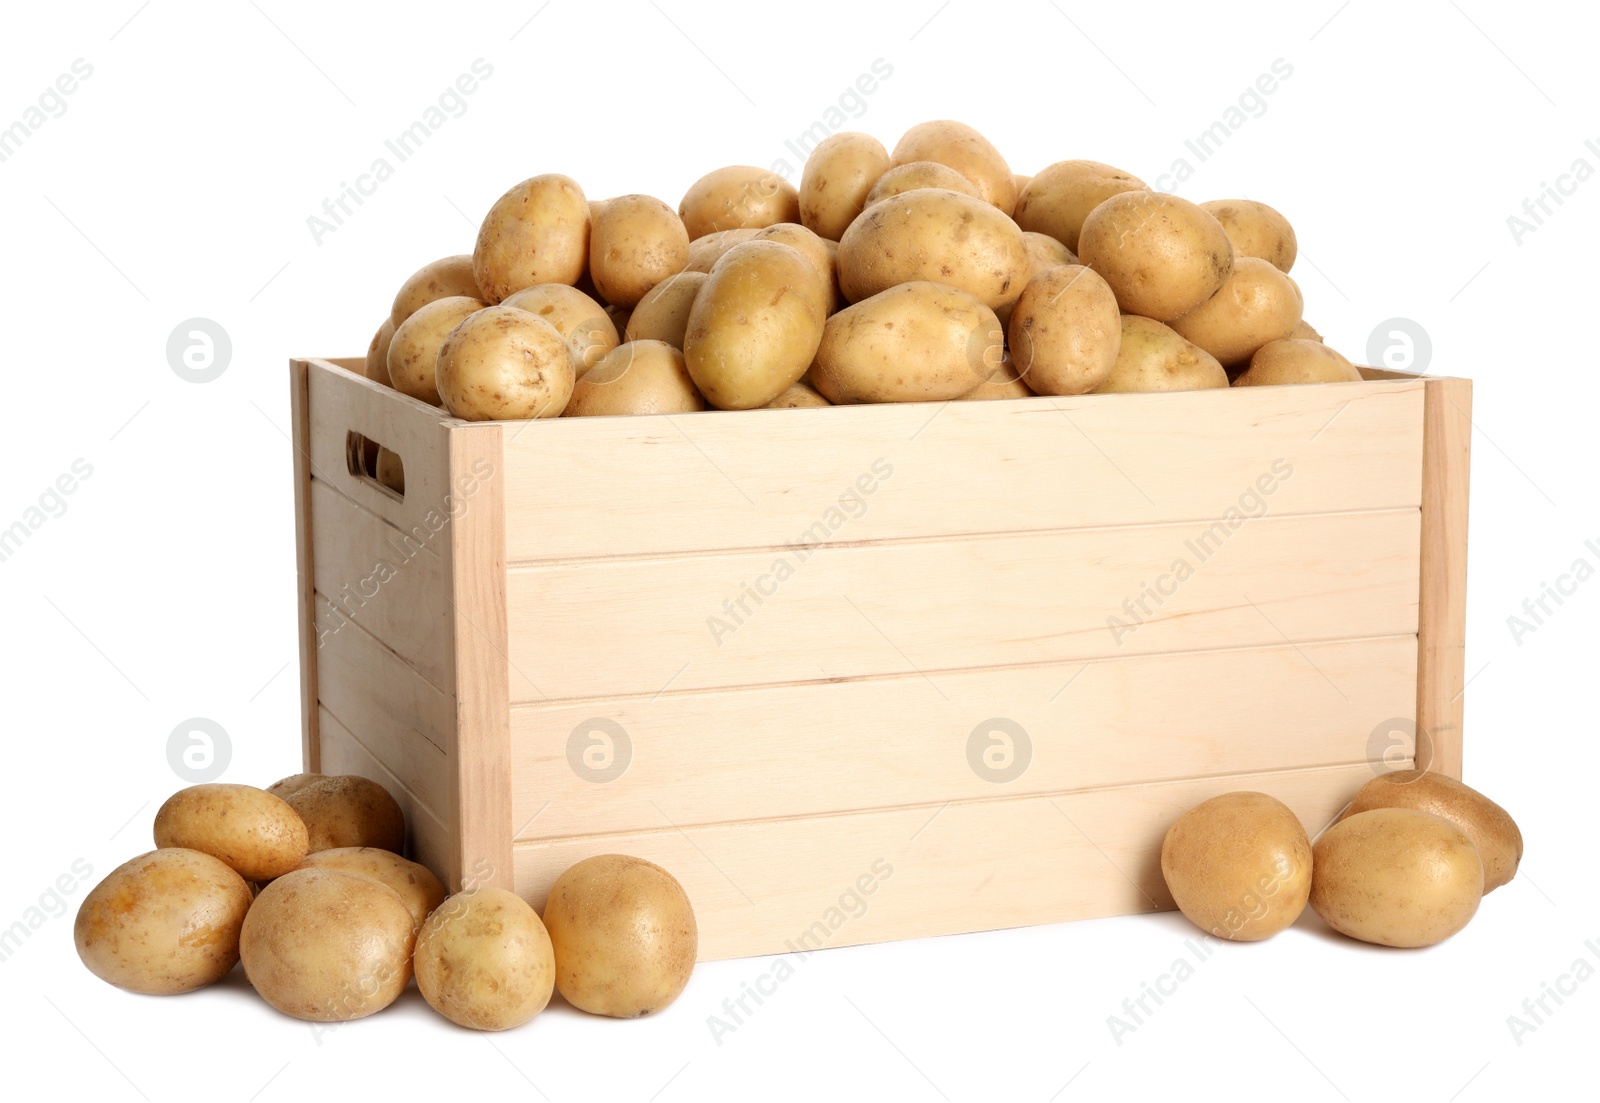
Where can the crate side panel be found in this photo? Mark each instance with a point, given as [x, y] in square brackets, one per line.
[429, 840]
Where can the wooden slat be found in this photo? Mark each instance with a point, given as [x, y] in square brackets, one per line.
[759, 888]
[300, 441]
[1442, 629]
[606, 628]
[771, 478]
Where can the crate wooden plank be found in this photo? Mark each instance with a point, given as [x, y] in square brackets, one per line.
[300, 443]
[607, 628]
[704, 758]
[772, 478]
[800, 884]
[1442, 631]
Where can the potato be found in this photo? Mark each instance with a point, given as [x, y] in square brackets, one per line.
[538, 232]
[164, 923]
[915, 342]
[933, 234]
[624, 936]
[1065, 331]
[619, 315]
[640, 377]
[503, 362]
[1256, 230]
[1162, 255]
[920, 174]
[813, 248]
[1153, 357]
[836, 179]
[327, 946]
[797, 397]
[256, 834]
[283, 787]
[1044, 252]
[442, 279]
[1490, 827]
[414, 352]
[1005, 382]
[1256, 304]
[584, 324]
[1396, 877]
[704, 252]
[390, 471]
[755, 325]
[1305, 332]
[416, 885]
[962, 148]
[484, 961]
[1296, 361]
[738, 197]
[1060, 197]
[663, 314]
[346, 810]
[635, 242]
[1020, 181]
[1238, 866]
[377, 365]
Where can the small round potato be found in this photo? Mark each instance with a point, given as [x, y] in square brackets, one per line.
[583, 323]
[1004, 383]
[1396, 877]
[738, 197]
[1154, 357]
[813, 248]
[483, 960]
[704, 252]
[164, 923]
[1305, 331]
[1490, 827]
[538, 232]
[1256, 304]
[635, 242]
[624, 936]
[442, 279]
[377, 366]
[257, 835]
[327, 946]
[414, 884]
[1256, 230]
[836, 179]
[1065, 331]
[915, 342]
[414, 352]
[920, 174]
[284, 787]
[347, 810]
[640, 377]
[1162, 255]
[1060, 197]
[1296, 361]
[663, 314]
[1238, 866]
[390, 471]
[504, 362]
[797, 397]
[962, 148]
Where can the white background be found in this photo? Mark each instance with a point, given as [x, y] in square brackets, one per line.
[177, 184]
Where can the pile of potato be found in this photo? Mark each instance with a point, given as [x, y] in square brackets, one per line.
[304, 883]
[929, 273]
[1406, 863]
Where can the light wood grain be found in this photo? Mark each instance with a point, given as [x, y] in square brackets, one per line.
[429, 839]
[1442, 627]
[300, 443]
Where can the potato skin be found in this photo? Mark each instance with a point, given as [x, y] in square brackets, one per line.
[1162, 255]
[663, 314]
[483, 960]
[257, 835]
[538, 232]
[1065, 331]
[920, 174]
[1490, 827]
[163, 923]
[414, 884]
[640, 377]
[414, 352]
[1238, 866]
[798, 396]
[346, 810]
[1256, 304]
[390, 471]
[292, 784]
[377, 366]
[503, 362]
[440, 279]
[738, 197]
[1256, 230]
[1004, 383]
[635, 242]
[704, 252]
[1296, 361]
[962, 148]
[1305, 331]
[1154, 357]
[813, 248]
[1060, 197]
[836, 179]
[932, 234]
[915, 342]
[583, 323]
[755, 325]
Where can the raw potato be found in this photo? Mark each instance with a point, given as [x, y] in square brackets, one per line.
[920, 174]
[416, 885]
[583, 323]
[538, 232]
[965, 150]
[327, 946]
[1004, 383]
[164, 923]
[635, 242]
[442, 279]
[484, 961]
[1060, 197]
[755, 325]
[813, 248]
[390, 471]
[1065, 331]
[377, 366]
[1396, 877]
[836, 179]
[1296, 361]
[1305, 332]
[347, 810]
[1490, 827]
[257, 835]
[284, 787]
[1238, 866]
[916, 342]
[663, 314]
[704, 252]
[1044, 252]
[938, 235]
[414, 352]
[738, 197]
[1255, 305]
[505, 363]
[640, 377]
[1256, 230]
[1154, 357]
[624, 936]
[797, 397]
[1162, 255]
[1020, 181]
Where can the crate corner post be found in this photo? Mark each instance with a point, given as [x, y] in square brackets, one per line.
[1442, 595]
[300, 439]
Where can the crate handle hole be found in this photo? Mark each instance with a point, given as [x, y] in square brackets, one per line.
[373, 463]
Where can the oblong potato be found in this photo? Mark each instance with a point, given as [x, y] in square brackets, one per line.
[259, 836]
[1256, 230]
[836, 179]
[1238, 866]
[1065, 331]
[414, 352]
[813, 248]
[639, 377]
[635, 242]
[538, 232]
[484, 960]
[1155, 357]
[1162, 255]
[1305, 331]
[503, 362]
[797, 397]
[962, 148]
[284, 786]
[738, 197]
[1256, 304]
[1490, 827]
[663, 314]
[1060, 197]
[440, 279]
[938, 235]
[414, 884]
[916, 342]
[585, 325]
[377, 365]
[345, 810]
[920, 174]
[704, 252]
[1296, 361]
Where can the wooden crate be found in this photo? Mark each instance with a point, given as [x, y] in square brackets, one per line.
[878, 672]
